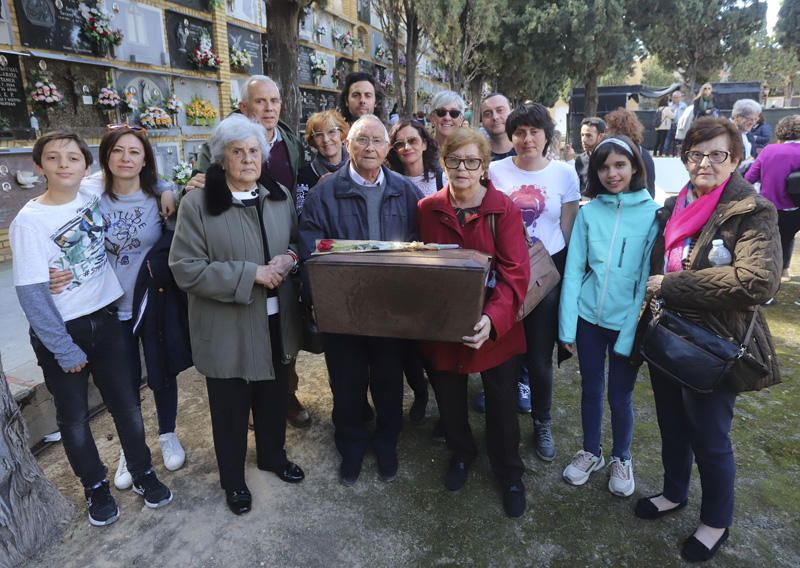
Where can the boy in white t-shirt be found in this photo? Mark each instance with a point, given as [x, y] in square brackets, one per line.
[76, 333]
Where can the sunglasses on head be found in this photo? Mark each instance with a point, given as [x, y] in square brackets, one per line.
[442, 112]
[133, 127]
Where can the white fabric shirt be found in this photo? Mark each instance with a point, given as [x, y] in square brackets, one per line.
[539, 195]
[356, 177]
[68, 236]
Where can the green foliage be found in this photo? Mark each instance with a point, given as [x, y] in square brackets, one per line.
[697, 37]
[656, 75]
[787, 28]
[459, 34]
[766, 62]
[543, 44]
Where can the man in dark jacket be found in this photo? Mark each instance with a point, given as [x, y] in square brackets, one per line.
[261, 100]
[363, 200]
[592, 129]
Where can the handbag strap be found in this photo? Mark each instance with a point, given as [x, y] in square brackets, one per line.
[492, 221]
[750, 329]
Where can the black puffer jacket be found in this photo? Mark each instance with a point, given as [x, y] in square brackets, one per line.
[721, 297]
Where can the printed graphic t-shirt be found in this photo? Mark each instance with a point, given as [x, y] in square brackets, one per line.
[539, 195]
[68, 236]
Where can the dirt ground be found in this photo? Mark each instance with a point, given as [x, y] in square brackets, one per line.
[414, 521]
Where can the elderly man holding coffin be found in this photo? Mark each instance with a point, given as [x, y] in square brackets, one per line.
[363, 200]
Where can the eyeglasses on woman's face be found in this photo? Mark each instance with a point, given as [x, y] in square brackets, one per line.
[411, 141]
[470, 164]
[715, 156]
[442, 112]
[334, 132]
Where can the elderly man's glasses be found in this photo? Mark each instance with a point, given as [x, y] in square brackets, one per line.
[412, 141]
[442, 112]
[715, 157]
[471, 164]
[330, 133]
[365, 141]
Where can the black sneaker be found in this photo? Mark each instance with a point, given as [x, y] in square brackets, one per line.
[514, 499]
[155, 493]
[102, 507]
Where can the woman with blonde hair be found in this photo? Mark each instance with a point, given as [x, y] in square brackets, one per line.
[326, 132]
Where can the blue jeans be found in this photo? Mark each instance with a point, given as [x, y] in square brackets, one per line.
[102, 338]
[697, 425]
[593, 343]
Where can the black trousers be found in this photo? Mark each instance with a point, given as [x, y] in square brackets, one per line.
[231, 401]
[502, 426]
[357, 364]
[788, 225]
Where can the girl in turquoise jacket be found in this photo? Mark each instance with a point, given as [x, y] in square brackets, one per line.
[601, 298]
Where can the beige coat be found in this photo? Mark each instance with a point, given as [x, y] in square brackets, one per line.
[214, 259]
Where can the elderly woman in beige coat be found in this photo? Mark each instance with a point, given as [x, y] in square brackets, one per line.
[233, 254]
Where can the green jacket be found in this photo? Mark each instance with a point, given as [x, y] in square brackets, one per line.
[294, 147]
[214, 260]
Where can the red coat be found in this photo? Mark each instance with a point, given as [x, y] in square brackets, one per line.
[438, 224]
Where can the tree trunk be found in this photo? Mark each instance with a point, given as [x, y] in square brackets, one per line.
[788, 90]
[412, 48]
[397, 82]
[474, 97]
[32, 511]
[281, 64]
[591, 96]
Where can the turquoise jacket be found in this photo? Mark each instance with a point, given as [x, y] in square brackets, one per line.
[607, 266]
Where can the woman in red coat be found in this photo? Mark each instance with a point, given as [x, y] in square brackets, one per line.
[460, 213]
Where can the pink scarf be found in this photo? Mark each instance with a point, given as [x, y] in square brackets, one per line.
[686, 221]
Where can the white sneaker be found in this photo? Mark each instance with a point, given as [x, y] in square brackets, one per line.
[172, 451]
[621, 481]
[582, 466]
[122, 479]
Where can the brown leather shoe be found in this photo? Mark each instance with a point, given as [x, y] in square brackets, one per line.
[296, 414]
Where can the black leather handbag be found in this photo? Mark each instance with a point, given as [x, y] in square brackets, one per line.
[696, 357]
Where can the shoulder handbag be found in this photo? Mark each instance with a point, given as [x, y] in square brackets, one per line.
[793, 187]
[694, 356]
[544, 274]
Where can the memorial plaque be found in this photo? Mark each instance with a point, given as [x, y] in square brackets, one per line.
[191, 150]
[304, 65]
[144, 89]
[75, 81]
[342, 68]
[246, 10]
[305, 25]
[316, 101]
[330, 62]
[55, 25]
[143, 32]
[6, 36]
[167, 157]
[13, 113]
[364, 11]
[185, 89]
[249, 41]
[324, 24]
[194, 4]
[183, 35]
[366, 66]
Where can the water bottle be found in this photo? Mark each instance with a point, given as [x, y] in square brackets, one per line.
[719, 255]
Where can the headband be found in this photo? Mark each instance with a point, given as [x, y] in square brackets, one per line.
[618, 142]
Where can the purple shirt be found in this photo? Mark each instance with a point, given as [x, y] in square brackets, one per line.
[773, 165]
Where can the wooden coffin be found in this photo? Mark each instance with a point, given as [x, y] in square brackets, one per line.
[429, 295]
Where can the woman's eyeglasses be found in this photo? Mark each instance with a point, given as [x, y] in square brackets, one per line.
[330, 133]
[471, 164]
[412, 141]
[134, 127]
[715, 157]
[442, 112]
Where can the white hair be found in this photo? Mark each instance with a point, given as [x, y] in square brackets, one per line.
[361, 122]
[235, 128]
[746, 107]
[443, 98]
[253, 80]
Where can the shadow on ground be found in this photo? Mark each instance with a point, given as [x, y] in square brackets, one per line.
[415, 521]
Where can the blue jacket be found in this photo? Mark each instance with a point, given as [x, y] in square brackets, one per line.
[335, 210]
[607, 266]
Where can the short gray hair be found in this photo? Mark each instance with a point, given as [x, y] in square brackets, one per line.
[746, 107]
[361, 122]
[443, 98]
[256, 79]
[235, 128]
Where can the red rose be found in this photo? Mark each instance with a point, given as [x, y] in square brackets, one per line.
[325, 245]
